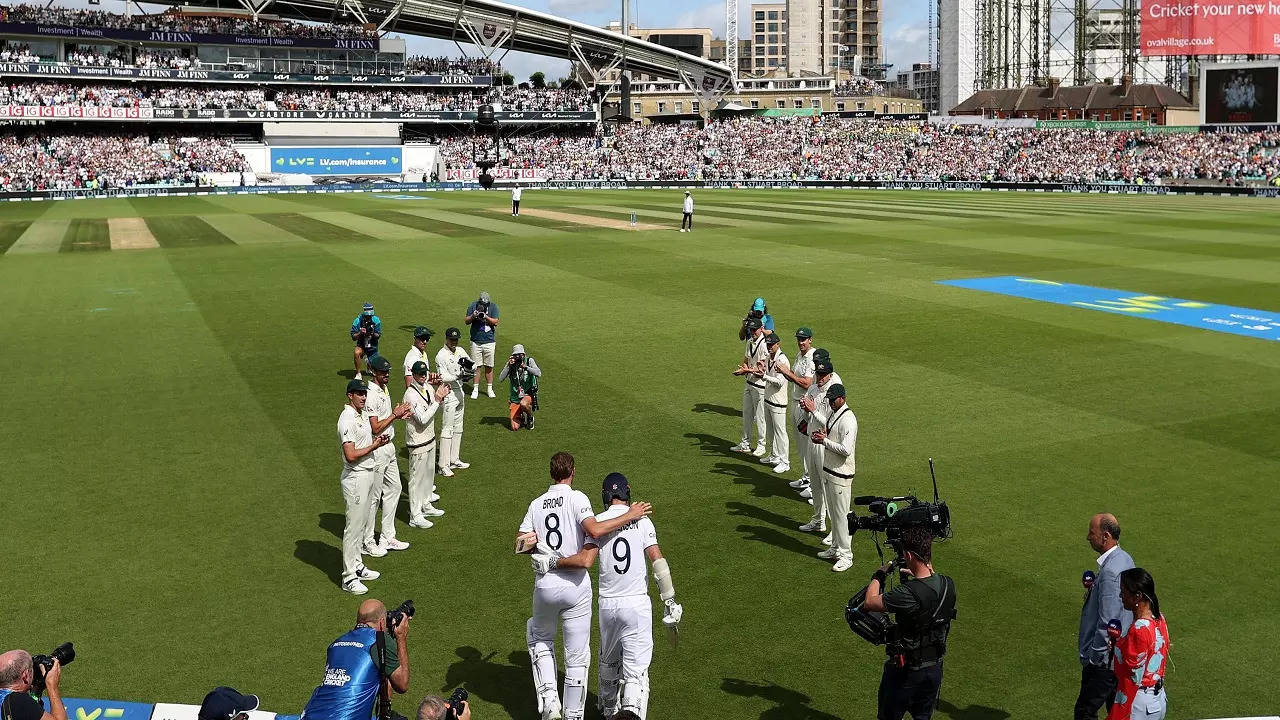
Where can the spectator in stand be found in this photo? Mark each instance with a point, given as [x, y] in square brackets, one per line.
[178, 21]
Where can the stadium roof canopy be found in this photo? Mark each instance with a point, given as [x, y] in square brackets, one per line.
[494, 26]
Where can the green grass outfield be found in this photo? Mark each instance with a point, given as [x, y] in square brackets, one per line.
[171, 470]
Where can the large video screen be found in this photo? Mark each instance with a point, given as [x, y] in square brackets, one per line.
[1210, 27]
[1240, 95]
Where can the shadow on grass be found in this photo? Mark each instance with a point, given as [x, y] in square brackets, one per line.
[324, 557]
[333, 523]
[754, 511]
[973, 712]
[766, 482]
[780, 540]
[717, 409]
[348, 373]
[788, 704]
[508, 684]
[714, 445]
[496, 420]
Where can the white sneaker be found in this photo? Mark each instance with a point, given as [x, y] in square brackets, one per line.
[459, 465]
[827, 554]
[355, 587]
[421, 523]
[827, 540]
[475, 392]
[374, 550]
[842, 563]
[444, 471]
[782, 467]
[394, 544]
[769, 459]
[490, 391]
[430, 510]
[803, 482]
[759, 452]
[364, 573]
[813, 526]
[742, 447]
[435, 497]
[810, 501]
[807, 493]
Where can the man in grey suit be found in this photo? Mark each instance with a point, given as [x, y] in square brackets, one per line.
[1101, 605]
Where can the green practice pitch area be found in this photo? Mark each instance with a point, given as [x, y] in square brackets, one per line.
[177, 366]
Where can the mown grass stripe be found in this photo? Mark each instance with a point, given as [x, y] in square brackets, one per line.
[370, 225]
[87, 234]
[312, 229]
[430, 225]
[249, 230]
[176, 231]
[10, 232]
[480, 218]
[646, 211]
[41, 236]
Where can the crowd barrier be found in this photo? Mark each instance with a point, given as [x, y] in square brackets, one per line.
[1095, 188]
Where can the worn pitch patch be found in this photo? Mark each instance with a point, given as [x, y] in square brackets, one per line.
[131, 234]
[592, 220]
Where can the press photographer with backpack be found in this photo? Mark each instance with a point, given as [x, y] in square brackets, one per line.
[364, 665]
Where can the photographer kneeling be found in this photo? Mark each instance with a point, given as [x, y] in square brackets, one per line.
[363, 665]
[19, 686]
[923, 607]
[524, 373]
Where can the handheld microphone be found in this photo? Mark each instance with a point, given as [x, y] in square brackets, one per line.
[1113, 629]
[1087, 579]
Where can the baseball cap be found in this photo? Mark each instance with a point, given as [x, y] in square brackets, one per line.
[357, 386]
[772, 338]
[616, 485]
[377, 363]
[804, 332]
[835, 391]
[821, 353]
[517, 349]
[758, 304]
[420, 368]
[422, 332]
[822, 365]
[225, 703]
[484, 297]
[452, 334]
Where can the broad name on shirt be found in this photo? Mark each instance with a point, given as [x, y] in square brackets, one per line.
[552, 502]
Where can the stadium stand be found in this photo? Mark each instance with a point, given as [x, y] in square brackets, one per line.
[173, 21]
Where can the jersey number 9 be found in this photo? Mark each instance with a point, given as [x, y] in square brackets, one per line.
[622, 553]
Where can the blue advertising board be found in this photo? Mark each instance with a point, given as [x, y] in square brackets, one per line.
[1262, 324]
[372, 160]
[83, 709]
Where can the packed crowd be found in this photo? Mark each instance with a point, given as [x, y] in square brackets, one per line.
[858, 86]
[170, 21]
[842, 149]
[423, 65]
[15, 52]
[199, 97]
[67, 161]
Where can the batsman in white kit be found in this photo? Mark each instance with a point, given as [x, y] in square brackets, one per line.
[555, 529]
[626, 612]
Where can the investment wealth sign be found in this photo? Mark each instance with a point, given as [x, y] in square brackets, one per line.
[373, 160]
[1210, 27]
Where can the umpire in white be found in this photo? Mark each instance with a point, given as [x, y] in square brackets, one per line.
[420, 441]
[358, 443]
[838, 436]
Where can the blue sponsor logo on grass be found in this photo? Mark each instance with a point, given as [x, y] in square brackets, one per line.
[82, 709]
[379, 196]
[1192, 313]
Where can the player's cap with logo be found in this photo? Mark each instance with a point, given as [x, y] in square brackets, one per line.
[484, 297]
[225, 703]
[422, 332]
[517, 349]
[357, 386]
[758, 304]
[615, 486]
[753, 324]
[419, 368]
[822, 365]
[368, 307]
[804, 332]
[377, 363]
[835, 391]
[452, 334]
[772, 338]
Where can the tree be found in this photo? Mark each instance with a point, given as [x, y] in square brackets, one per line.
[569, 83]
[508, 79]
[538, 80]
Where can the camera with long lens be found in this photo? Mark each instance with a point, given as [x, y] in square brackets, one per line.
[466, 369]
[397, 616]
[481, 309]
[456, 700]
[756, 314]
[42, 664]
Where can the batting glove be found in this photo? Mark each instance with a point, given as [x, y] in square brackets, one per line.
[674, 612]
[543, 563]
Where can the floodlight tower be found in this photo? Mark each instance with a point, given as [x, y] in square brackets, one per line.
[731, 38]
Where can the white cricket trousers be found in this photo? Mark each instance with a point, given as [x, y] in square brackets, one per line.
[422, 478]
[386, 478]
[626, 646]
[565, 602]
[801, 440]
[452, 409]
[779, 433]
[752, 414]
[357, 491]
[839, 492]
[818, 480]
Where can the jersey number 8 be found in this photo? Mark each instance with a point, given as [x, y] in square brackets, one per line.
[622, 553]
[554, 538]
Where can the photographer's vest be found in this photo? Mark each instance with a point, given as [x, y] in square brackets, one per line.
[921, 641]
[523, 383]
[351, 679]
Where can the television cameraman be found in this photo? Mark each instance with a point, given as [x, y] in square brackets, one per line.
[362, 665]
[17, 675]
[923, 606]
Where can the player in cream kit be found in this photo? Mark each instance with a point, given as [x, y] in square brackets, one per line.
[626, 612]
[557, 527]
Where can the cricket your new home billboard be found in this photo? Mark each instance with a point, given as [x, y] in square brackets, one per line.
[381, 160]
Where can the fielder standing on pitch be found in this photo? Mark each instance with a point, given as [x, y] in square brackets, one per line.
[418, 352]
[775, 404]
[815, 416]
[357, 441]
[626, 613]
[386, 471]
[838, 436]
[753, 360]
[557, 524]
[420, 441]
[454, 404]
[800, 373]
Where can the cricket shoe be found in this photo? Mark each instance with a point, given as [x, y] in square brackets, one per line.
[800, 484]
[828, 554]
[489, 391]
[435, 497]
[759, 451]
[827, 540]
[770, 459]
[364, 573]
[444, 471]
[782, 467]
[422, 523]
[842, 563]
[742, 447]
[807, 493]
[430, 510]
[459, 465]
[814, 526]
[355, 587]
[475, 393]
[374, 550]
[394, 544]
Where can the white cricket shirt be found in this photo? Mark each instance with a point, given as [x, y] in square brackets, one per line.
[556, 516]
[413, 356]
[622, 560]
[354, 428]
